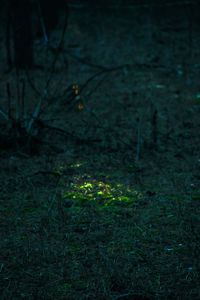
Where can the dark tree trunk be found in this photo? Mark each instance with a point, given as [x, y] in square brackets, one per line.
[20, 12]
[50, 13]
[8, 40]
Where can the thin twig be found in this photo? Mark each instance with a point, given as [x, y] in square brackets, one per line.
[4, 115]
[138, 147]
[9, 100]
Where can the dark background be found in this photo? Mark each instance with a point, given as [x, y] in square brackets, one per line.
[99, 150]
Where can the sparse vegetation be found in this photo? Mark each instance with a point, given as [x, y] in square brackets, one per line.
[88, 243]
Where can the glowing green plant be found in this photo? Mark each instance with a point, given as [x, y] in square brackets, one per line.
[101, 192]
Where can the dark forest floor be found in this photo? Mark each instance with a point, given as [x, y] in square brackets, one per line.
[108, 207]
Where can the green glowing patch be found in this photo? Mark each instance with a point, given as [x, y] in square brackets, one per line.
[86, 186]
[76, 165]
[100, 192]
[124, 198]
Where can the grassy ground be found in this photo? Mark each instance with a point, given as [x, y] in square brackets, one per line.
[98, 238]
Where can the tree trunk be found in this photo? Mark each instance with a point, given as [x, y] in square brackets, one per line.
[50, 13]
[22, 33]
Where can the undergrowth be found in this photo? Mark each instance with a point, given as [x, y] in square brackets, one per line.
[99, 240]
